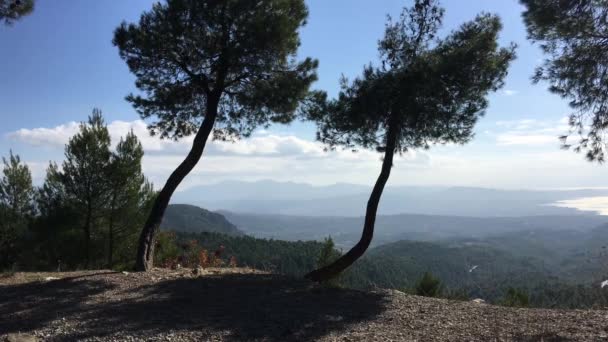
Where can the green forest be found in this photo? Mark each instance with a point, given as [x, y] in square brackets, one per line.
[86, 214]
[400, 265]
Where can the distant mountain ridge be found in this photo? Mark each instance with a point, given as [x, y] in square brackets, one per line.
[289, 198]
[389, 228]
[190, 218]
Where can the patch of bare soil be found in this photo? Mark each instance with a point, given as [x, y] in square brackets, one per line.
[248, 305]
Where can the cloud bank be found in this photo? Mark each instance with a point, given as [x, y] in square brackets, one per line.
[264, 155]
[520, 154]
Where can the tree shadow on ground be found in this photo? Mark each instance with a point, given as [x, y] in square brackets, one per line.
[542, 337]
[235, 307]
[31, 305]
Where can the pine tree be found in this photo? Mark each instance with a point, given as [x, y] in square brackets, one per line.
[328, 255]
[16, 207]
[128, 187]
[515, 298]
[425, 92]
[54, 223]
[100, 193]
[428, 286]
[87, 159]
[221, 66]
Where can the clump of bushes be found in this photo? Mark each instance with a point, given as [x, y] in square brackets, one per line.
[428, 286]
[328, 255]
[515, 298]
[169, 253]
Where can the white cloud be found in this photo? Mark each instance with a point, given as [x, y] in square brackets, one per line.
[58, 136]
[518, 124]
[54, 137]
[289, 157]
[510, 92]
[507, 139]
[279, 156]
[530, 132]
[269, 145]
[262, 143]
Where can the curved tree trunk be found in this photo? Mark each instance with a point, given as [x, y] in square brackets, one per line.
[334, 269]
[145, 251]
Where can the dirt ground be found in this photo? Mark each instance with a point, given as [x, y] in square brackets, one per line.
[248, 305]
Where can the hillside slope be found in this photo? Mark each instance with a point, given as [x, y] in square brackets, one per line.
[479, 271]
[177, 306]
[474, 270]
[190, 218]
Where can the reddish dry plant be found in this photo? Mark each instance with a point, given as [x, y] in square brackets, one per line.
[203, 259]
[219, 251]
[218, 263]
[216, 258]
[232, 262]
[170, 263]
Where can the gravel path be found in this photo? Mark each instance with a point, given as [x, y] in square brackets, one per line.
[247, 305]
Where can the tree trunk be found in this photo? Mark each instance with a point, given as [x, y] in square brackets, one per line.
[145, 251]
[87, 236]
[110, 245]
[334, 269]
[111, 232]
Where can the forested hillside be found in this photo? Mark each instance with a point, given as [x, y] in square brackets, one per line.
[190, 218]
[286, 257]
[464, 271]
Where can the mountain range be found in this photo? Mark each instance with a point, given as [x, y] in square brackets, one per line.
[342, 199]
[389, 228]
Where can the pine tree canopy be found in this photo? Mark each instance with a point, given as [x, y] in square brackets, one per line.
[11, 10]
[430, 90]
[574, 37]
[238, 55]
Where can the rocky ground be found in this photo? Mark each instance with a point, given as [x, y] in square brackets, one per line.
[247, 305]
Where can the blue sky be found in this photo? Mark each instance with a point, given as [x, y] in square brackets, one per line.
[59, 63]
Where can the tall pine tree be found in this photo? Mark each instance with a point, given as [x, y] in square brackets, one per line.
[127, 187]
[55, 236]
[16, 207]
[87, 159]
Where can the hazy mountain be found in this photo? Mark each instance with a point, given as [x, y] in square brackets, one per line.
[265, 190]
[189, 218]
[389, 228]
[288, 198]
